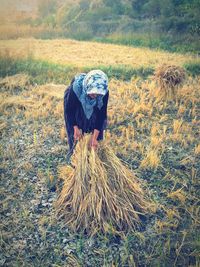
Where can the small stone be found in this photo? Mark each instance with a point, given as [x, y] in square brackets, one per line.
[45, 204]
[34, 178]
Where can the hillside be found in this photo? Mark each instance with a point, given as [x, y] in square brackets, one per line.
[173, 25]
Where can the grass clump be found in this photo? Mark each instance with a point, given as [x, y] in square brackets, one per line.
[100, 193]
[193, 68]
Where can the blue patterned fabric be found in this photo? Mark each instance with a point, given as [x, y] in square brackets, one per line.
[95, 82]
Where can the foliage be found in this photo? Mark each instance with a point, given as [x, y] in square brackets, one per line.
[100, 18]
[116, 5]
[170, 25]
[168, 42]
[175, 16]
[193, 68]
[47, 7]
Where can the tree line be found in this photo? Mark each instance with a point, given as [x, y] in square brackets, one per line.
[181, 16]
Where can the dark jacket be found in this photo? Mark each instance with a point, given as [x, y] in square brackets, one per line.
[74, 113]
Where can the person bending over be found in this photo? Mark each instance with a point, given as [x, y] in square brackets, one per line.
[85, 107]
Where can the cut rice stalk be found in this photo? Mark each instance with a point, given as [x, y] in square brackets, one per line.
[169, 80]
[101, 191]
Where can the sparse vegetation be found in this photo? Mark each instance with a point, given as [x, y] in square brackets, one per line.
[157, 139]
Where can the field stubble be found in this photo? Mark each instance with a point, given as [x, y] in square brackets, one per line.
[158, 139]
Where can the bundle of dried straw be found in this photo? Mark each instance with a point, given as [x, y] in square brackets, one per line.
[18, 81]
[100, 193]
[169, 79]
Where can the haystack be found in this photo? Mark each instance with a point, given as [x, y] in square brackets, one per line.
[100, 193]
[169, 79]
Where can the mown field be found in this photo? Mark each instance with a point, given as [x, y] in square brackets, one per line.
[157, 138]
[89, 54]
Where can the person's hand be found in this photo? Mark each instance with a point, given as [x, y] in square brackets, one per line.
[93, 142]
[77, 133]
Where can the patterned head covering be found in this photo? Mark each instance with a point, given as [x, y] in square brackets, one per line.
[95, 82]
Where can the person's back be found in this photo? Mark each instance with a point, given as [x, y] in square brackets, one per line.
[85, 107]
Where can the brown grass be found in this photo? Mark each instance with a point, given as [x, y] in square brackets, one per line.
[100, 193]
[152, 159]
[82, 54]
[18, 81]
[37, 102]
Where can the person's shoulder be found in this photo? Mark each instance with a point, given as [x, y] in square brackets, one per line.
[68, 89]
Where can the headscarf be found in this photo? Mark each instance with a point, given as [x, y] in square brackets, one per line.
[95, 82]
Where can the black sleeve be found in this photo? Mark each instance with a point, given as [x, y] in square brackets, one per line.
[102, 113]
[71, 103]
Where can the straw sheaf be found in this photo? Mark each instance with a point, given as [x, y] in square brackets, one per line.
[169, 78]
[100, 193]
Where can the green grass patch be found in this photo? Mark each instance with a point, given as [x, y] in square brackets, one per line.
[193, 68]
[181, 43]
[165, 42]
[123, 72]
[42, 72]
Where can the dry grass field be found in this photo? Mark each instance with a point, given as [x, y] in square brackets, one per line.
[81, 54]
[157, 138]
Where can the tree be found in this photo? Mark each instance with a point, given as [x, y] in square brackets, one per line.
[152, 9]
[137, 6]
[84, 4]
[116, 5]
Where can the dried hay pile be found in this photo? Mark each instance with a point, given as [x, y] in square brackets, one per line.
[169, 79]
[18, 81]
[100, 193]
